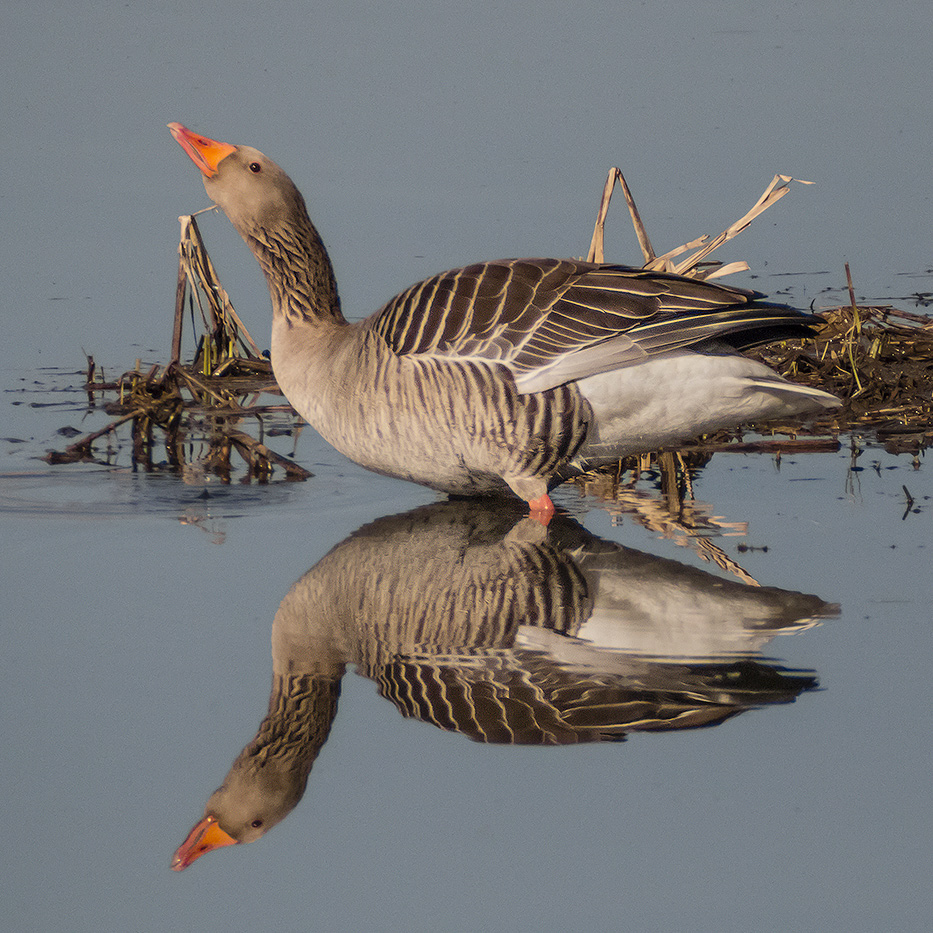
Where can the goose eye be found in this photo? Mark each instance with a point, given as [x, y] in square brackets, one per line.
[255, 168]
[256, 823]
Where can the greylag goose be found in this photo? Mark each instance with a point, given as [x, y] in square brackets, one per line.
[501, 375]
[482, 621]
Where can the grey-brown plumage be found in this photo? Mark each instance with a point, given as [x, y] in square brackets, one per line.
[482, 622]
[501, 375]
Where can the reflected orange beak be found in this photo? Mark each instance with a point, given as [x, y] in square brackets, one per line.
[205, 837]
[205, 153]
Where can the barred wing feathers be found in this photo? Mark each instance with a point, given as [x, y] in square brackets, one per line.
[552, 321]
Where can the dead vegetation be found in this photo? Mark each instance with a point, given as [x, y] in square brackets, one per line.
[195, 412]
[878, 360]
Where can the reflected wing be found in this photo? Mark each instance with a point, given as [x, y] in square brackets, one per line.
[521, 697]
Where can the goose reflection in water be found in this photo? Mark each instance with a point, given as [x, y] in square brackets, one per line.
[482, 621]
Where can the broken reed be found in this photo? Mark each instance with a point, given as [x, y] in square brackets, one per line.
[208, 397]
[878, 360]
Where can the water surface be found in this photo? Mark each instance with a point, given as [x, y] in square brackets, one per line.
[138, 609]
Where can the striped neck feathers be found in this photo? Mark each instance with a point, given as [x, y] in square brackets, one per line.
[298, 271]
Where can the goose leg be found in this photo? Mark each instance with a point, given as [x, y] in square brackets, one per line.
[542, 509]
[533, 489]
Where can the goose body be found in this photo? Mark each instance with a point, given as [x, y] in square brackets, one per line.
[506, 375]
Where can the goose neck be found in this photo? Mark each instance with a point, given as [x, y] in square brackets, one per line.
[299, 273]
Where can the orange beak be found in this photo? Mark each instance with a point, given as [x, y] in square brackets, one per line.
[205, 837]
[205, 153]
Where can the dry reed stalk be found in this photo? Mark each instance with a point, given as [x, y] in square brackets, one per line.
[262, 458]
[779, 186]
[197, 277]
[81, 450]
[596, 252]
[170, 397]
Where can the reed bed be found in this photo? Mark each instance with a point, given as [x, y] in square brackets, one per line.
[194, 413]
[877, 359]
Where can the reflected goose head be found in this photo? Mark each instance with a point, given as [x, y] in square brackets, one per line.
[254, 797]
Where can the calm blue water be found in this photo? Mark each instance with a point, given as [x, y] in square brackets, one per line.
[137, 611]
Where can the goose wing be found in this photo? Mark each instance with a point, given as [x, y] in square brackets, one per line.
[552, 321]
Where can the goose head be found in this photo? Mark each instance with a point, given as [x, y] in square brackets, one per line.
[244, 183]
